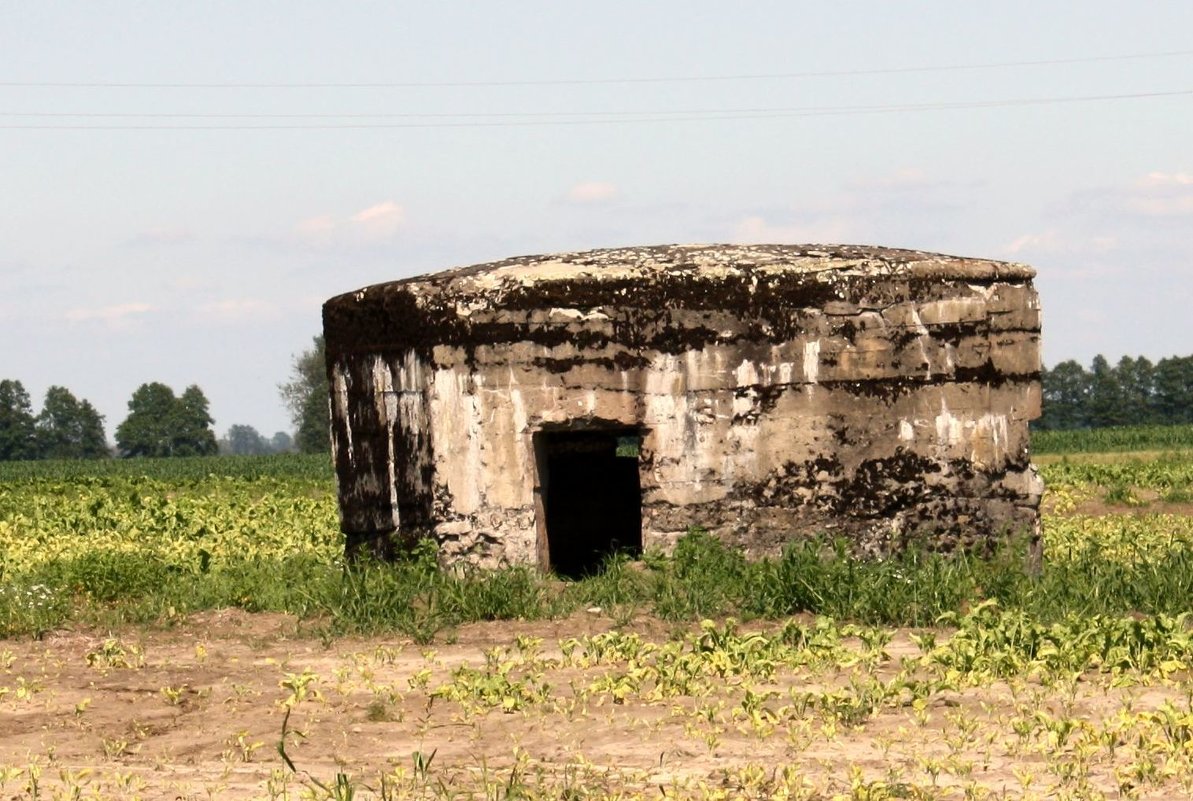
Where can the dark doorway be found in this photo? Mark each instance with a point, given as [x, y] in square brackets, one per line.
[591, 496]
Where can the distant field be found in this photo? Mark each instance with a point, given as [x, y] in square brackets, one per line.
[1113, 440]
[313, 467]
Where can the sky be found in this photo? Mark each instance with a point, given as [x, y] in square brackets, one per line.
[183, 184]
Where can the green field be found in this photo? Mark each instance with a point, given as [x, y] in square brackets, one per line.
[143, 541]
[923, 676]
[1114, 440]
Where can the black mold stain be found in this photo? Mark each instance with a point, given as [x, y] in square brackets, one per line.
[954, 333]
[880, 487]
[770, 306]
[985, 373]
[883, 389]
[904, 336]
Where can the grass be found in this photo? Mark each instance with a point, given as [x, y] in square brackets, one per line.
[703, 579]
[149, 541]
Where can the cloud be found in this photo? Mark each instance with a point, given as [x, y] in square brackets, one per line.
[1166, 179]
[1044, 242]
[1053, 241]
[1162, 206]
[238, 309]
[1159, 196]
[756, 230]
[115, 316]
[371, 225]
[592, 192]
[380, 221]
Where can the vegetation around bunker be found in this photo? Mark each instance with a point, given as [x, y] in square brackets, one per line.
[212, 591]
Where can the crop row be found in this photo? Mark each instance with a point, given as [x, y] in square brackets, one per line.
[1114, 440]
[126, 549]
[1167, 472]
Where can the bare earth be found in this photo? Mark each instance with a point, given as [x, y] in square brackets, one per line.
[197, 712]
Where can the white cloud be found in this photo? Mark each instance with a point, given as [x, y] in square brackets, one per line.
[380, 221]
[592, 192]
[1166, 205]
[1046, 242]
[1160, 196]
[1054, 242]
[756, 230]
[117, 317]
[377, 223]
[1166, 179]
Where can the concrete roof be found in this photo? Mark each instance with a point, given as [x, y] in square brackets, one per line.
[700, 262]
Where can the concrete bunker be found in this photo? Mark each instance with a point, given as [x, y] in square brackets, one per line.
[552, 410]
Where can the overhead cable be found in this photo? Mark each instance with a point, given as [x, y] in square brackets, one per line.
[523, 119]
[808, 74]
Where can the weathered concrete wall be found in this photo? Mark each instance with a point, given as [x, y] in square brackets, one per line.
[782, 391]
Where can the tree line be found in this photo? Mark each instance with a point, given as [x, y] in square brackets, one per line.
[1133, 392]
[65, 428]
[160, 423]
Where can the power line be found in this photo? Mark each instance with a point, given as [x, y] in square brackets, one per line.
[591, 81]
[527, 119]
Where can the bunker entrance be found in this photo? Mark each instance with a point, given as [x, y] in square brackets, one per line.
[591, 497]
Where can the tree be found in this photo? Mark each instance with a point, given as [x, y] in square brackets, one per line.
[68, 428]
[18, 435]
[147, 429]
[1106, 405]
[193, 435]
[160, 424]
[1066, 391]
[1136, 380]
[1173, 385]
[93, 443]
[242, 440]
[281, 442]
[306, 395]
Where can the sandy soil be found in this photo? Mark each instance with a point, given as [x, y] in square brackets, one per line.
[197, 711]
